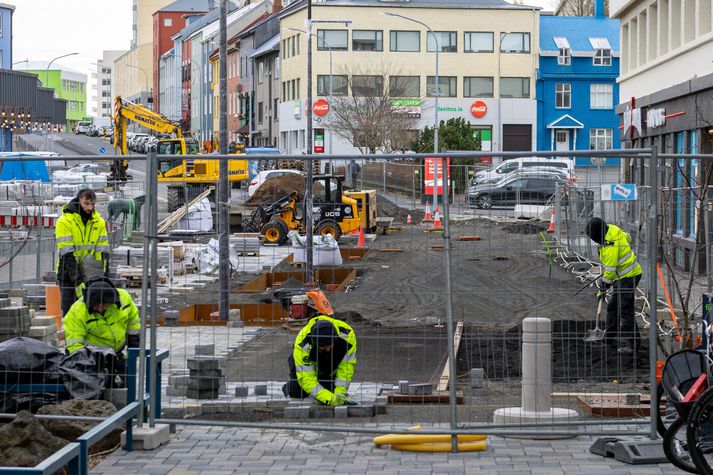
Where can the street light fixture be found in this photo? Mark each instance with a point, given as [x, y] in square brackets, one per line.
[46, 84]
[146, 79]
[435, 116]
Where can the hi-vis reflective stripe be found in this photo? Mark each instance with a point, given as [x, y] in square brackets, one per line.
[606, 281]
[315, 390]
[66, 250]
[342, 383]
[306, 347]
[64, 238]
[629, 269]
[305, 369]
[610, 268]
[102, 248]
[624, 259]
[350, 357]
[132, 332]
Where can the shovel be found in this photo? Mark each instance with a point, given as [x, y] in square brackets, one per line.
[597, 334]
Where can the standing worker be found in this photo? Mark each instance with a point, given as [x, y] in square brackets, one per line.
[622, 272]
[82, 246]
[322, 362]
[353, 170]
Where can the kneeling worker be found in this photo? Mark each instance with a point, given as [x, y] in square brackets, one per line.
[104, 316]
[322, 362]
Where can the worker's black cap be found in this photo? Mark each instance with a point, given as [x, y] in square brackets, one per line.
[101, 291]
[323, 333]
[596, 229]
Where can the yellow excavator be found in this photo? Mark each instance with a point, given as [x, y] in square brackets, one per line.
[187, 178]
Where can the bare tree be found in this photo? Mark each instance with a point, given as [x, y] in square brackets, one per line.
[577, 7]
[369, 114]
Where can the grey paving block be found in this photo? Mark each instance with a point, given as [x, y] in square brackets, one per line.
[178, 380]
[203, 383]
[403, 387]
[44, 321]
[362, 411]
[5, 302]
[196, 364]
[421, 389]
[297, 412]
[42, 331]
[202, 394]
[477, 377]
[242, 391]
[322, 412]
[204, 350]
[261, 389]
[341, 412]
[179, 391]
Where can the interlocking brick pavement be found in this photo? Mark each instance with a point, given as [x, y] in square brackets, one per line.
[195, 450]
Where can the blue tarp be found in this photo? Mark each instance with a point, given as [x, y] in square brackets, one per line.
[34, 170]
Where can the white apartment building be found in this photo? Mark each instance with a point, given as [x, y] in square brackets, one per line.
[103, 87]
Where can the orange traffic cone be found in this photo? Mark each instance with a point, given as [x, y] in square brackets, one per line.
[551, 229]
[408, 219]
[361, 242]
[437, 219]
[427, 216]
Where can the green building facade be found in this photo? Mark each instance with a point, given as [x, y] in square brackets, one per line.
[68, 85]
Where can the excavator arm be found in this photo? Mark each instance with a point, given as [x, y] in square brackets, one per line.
[125, 111]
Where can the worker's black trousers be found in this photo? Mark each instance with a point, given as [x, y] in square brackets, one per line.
[68, 295]
[293, 389]
[621, 320]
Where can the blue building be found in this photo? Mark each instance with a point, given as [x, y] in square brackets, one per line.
[6, 35]
[576, 84]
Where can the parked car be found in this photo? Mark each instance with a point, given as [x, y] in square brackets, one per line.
[544, 171]
[134, 141]
[522, 163]
[524, 188]
[83, 127]
[265, 175]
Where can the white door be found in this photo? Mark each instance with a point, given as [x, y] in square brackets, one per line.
[562, 140]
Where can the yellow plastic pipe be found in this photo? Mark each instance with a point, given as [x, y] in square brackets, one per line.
[442, 447]
[409, 439]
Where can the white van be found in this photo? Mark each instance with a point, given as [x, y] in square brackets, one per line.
[523, 164]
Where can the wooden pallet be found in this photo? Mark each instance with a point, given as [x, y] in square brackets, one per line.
[437, 397]
[612, 405]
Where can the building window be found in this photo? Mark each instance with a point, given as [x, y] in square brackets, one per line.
[167, 22]
[367, 40]
[260, 71]
[446, 86]
[564, 58]
[563, 96]
[443, 41]
[405, 86]
[515, 87]
[514, 42]
[340, 86]
[338, 40]
[600, 139]
[275, 114]
[277, 67]
[260, 112]
[367, 86]
[477, 87]
[405, 41]
[298, 89]
[602, 57]
[477, 42]
[601, 96]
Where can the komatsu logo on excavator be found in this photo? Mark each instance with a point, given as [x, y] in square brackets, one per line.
[144, 119]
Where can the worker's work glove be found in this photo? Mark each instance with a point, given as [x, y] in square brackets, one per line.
[338, 399]
[600, 295]
[350, 402]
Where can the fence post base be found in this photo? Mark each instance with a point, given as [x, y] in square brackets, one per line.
[148, 438]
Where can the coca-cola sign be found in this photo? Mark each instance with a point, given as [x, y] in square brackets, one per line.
[478, 109]
[320, 108]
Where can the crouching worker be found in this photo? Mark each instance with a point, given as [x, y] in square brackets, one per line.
[105, 317]
[322, 362]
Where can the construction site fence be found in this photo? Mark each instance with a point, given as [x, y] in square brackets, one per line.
[406, 345]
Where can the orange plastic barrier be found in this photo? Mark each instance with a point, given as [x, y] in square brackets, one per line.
[53, 303]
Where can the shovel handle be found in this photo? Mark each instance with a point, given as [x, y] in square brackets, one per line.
[600, 306]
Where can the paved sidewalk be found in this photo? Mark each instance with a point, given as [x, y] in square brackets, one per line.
[222, 451]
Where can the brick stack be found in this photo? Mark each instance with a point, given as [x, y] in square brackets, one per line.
[15, 320]
[207, 377]
[44, 328]
[35, 296]
[178, 383]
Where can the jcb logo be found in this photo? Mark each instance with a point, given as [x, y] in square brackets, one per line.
[333, 214]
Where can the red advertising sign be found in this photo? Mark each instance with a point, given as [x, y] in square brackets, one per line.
[478, 109]
[320, 108]
[428, 175]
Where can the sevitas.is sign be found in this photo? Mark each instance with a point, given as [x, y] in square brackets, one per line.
[478, 109]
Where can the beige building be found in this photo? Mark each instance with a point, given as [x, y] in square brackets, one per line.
[104, 86]
[133, 71]
[488, 56]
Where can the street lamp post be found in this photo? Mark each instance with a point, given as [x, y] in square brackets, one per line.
[47, 75]
[435, 115]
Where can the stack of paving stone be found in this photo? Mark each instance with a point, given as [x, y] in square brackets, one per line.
[44, 328]
[207, 377]
[178, 383]
[35, 296]
[15, 320]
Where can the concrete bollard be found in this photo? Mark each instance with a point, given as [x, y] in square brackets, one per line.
[536, 382]
[477, 377]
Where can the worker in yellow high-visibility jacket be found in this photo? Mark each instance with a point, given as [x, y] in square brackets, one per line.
[322, 362]
[82, 246]
[621, 271]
